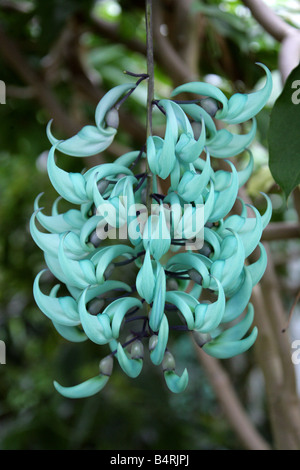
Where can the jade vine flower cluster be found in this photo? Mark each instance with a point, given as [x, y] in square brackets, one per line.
[178, 285]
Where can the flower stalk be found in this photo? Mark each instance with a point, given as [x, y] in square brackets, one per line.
[150, 91]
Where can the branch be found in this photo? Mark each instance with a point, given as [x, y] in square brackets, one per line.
[150, 92]
[14, 6]
[15, 59]
[289, 36]
[274, 355]
[43, 93]
[67, 53]
[112, 32]
[230, 403]
[282, 402]
[281, 231]
[273, 299]
[166, 55]
[23, 93]
[271, 22]
[289, 54]
[274, 308]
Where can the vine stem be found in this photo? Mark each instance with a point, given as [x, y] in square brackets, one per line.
[150, 91]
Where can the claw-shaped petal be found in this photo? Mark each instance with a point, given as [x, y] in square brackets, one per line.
[145, 280]
[107, 102]
[70, 333]
[62, 310]
[96, 327]
[225, 194]
[224, 144]
[176, 383]
[117, 310]
[188, 261]
[250, 236]
[157, 311]
[185, 303]
[106, 255]
[129, 158]
[85, 389]
[266, 217]
[91, 140]
[246, 172]
[198, 114]
[226, 349]
[71, 186]
[79, 273]
[258, 268]
[156, 234]
[209, 316]
[205, 89]
[231, 262]
[238, 301]
[158, 351]
[192, 184]
[88, 141]
[100, 172]
[187, 148]
[131, 367]
[161, 152]
[48, 242]
[250, 103]
[238, 331]
[58, 223]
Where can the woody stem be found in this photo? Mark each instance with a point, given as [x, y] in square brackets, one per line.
[150, 91]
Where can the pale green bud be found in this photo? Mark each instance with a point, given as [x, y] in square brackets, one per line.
[137, 350]
[112, 118]
[106, 366]
[168, 363]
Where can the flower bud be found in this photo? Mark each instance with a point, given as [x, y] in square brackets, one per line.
[137, 350]
[102, 186]
[201, 338]
[106, 366]
[94, 239]
[95, 306]
[172, 284]
[195, 276]
[112, 118]
[197, 129]
[206, 250]
[168, 363]
[109, 270]
[210, 106]
[129, 339]
[153, 342]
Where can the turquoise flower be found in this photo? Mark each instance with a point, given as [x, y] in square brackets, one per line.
[91, 140]
[187, 258]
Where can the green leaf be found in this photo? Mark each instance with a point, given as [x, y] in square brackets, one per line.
[284, 136]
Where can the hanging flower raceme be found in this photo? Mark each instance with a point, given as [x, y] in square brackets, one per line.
[128, 274]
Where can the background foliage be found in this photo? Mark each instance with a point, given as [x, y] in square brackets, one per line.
[57, 59]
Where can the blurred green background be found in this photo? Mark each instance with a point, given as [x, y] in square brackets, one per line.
[66, 49]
